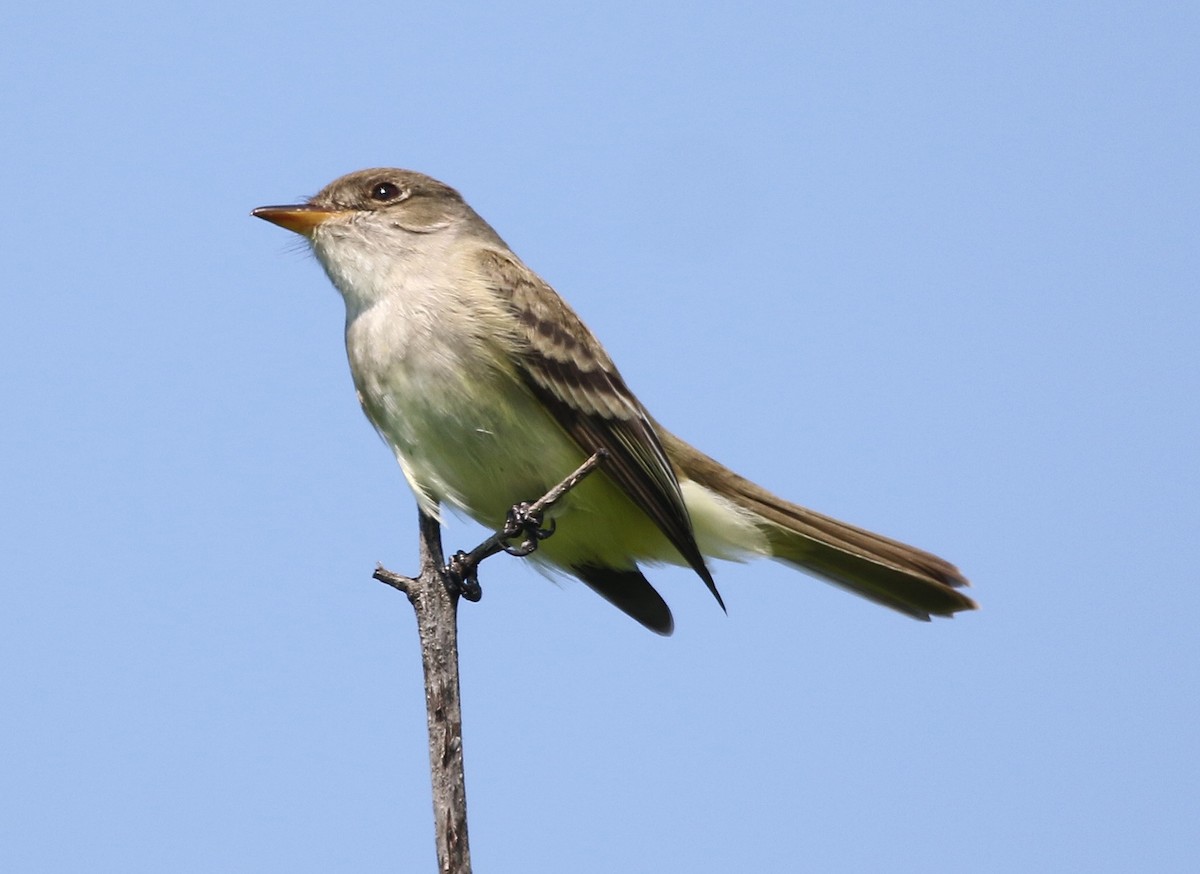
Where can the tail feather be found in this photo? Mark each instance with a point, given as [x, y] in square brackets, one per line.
[886, 571]
[631, 592]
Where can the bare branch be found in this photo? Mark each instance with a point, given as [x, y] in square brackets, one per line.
[434, 594]
[553, 496]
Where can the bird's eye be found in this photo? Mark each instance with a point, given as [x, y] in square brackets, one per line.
[384, 191]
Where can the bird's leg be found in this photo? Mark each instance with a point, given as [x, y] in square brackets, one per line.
[525, 520]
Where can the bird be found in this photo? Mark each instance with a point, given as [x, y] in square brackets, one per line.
[489, 390]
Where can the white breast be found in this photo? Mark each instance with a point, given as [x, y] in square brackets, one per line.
[430, 345]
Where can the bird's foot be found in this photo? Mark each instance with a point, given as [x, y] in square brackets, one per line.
[523, 520]
[462, 571]
[462, 574]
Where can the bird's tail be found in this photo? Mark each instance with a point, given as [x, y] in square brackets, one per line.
[886, 571]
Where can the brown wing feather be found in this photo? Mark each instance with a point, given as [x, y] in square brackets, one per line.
[569, 371]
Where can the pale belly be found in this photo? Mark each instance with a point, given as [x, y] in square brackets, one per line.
[480, 443]
[480, 450]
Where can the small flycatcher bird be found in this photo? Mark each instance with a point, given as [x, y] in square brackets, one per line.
[490, 390]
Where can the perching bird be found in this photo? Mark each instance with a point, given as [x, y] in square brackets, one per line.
[490, 390]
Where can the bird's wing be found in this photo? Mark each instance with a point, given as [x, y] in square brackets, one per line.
[568, 370]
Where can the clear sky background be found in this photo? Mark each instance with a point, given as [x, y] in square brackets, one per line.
[932, 268]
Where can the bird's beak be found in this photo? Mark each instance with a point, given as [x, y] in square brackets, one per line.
[302, 218]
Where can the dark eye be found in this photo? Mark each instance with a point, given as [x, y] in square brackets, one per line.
[384, 191]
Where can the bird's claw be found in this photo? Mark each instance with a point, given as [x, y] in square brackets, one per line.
[522, 521]
[462, 571]
[464, 576]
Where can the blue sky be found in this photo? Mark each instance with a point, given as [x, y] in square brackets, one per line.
[929, 268]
